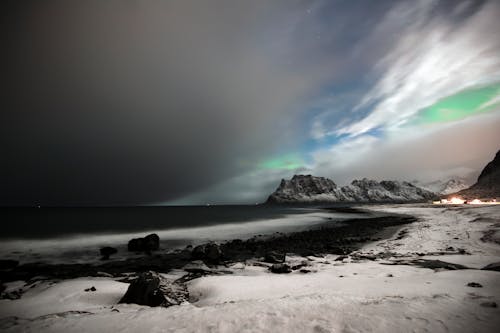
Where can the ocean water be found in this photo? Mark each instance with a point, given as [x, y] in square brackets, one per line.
[77, 234]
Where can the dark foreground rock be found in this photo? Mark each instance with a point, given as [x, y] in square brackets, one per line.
[210, 253]
[107, 251]
[280, 268]
[274, 257]
[151, 289]
[146, 244]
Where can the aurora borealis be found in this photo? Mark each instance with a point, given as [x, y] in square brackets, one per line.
[195, 102]
[460, 105]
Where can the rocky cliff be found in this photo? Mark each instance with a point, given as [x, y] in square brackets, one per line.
[488, 183]
[311, 189]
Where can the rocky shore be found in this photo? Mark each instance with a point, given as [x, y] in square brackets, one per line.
[322, 240]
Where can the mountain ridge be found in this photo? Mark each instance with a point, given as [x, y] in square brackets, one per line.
[312, 189]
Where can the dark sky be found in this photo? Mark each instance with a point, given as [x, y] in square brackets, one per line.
[144, 102]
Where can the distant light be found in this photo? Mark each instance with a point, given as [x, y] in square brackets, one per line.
[456, 201]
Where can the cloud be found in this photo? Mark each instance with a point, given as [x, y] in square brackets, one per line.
[434, 57]
[112, 102]
[135, 102]
[429, 153]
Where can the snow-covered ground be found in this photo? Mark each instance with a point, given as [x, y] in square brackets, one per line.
[336, 296]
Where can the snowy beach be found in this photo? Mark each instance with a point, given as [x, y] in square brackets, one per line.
[402, 284]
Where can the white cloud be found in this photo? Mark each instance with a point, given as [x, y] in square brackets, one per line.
[432, 59]
[430, 153]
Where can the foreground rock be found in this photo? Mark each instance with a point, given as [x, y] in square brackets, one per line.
[280, 268]
[274, 257]
[107, 251]
[151, 289]
[210, 253]
[147, 244]
[311, 189]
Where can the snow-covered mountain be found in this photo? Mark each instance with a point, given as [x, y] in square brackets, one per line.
[311, 189]
[451, 185]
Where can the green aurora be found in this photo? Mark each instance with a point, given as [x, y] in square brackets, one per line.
[460, 105]
[286, 162]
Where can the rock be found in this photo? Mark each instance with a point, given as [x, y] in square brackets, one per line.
[8, 263]
[210, 253]
[136, 245]
[299, 266]
[436, 264]
[151, 289]
[489, 304]
[492, 267]
[341, 258]
[151, 242]
[474, 285]
[337, 250]
[305, 271]
[213, 253]
[274, 257]
[198, 252]
[107, 251]
[90, 289]
[280, 268]
[147, 244]
[487, 185]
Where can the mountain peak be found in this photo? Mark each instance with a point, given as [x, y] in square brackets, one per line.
[312, 189]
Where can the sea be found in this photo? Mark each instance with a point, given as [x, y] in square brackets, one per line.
[75, 234]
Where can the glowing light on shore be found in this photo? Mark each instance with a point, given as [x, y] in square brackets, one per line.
[459, 201]
[456, 201]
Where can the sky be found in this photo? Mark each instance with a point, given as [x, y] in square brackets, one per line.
[194, 102]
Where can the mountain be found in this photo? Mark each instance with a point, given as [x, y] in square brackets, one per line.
[451, 185]
[311, 189]
[488, 183]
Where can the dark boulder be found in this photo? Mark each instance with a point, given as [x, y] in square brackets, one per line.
[492, 267]
[210, 253]
[274, 257]
[151, 242]
[151, 289]
[107, 251]
[280, 268]
[136, 245]
[213, 253]
[147, 244]
[198, 252]
[489, 304]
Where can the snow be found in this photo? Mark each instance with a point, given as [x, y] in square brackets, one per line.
[309, 189]
[337, 296]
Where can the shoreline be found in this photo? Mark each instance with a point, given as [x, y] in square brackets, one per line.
[341, 239]
[435, 275]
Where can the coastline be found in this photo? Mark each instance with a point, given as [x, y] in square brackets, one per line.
[435, 274]
[318, 240]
